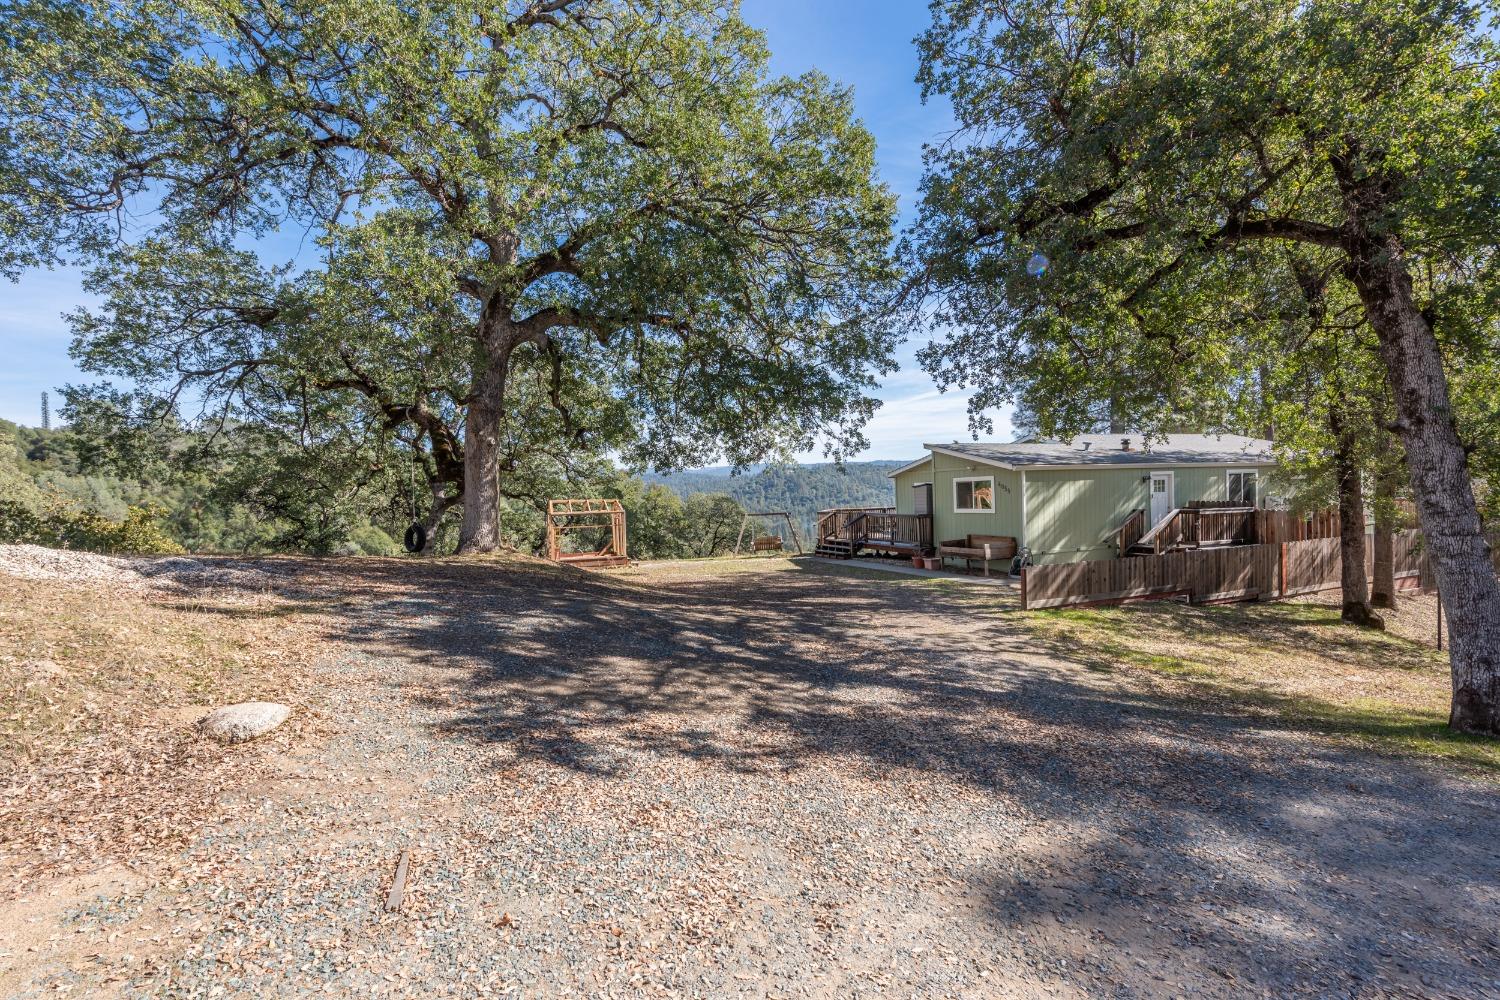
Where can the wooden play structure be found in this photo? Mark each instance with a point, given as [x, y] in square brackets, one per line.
[768, 542]
[595, 516]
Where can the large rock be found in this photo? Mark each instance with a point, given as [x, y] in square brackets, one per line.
[246, 721]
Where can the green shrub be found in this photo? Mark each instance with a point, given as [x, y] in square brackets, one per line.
[60, 524]
[369, 540]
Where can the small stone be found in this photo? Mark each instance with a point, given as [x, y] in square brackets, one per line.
[43, 668]
[245, 721]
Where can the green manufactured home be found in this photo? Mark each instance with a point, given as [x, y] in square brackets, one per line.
[1067, 501]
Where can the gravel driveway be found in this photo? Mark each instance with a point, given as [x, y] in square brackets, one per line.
[759, 779]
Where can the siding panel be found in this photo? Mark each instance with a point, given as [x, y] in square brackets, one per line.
[904, 483]
[1075, 513]
[1005, 519]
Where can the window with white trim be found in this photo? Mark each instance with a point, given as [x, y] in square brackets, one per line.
[974, 495]
[1243, 486]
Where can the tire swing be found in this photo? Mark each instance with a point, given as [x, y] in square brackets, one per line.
[416, 535]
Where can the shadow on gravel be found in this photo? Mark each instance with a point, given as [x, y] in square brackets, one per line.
[1258, 857]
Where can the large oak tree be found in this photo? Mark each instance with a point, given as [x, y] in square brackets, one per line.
[610, 197]
[1147, 150]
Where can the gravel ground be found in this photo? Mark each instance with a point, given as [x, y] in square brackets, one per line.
[36, 562]
[768, 781]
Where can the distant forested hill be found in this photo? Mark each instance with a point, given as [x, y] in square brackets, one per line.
[801, 490]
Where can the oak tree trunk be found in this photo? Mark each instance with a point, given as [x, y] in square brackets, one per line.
[1352, 580]
[1383, 586]
[480, 531]
[1438, 466]
[441, 501]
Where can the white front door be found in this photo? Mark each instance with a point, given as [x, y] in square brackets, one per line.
[1162, 500]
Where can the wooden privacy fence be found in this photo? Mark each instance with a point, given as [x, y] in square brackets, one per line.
[1272, 527]
[1234, 573]
[1241, 572]
[1316, 564]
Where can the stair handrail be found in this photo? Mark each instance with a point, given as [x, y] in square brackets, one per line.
[1154, 537]
[1131, 530]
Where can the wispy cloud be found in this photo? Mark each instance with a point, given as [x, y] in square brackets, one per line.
[903, 424]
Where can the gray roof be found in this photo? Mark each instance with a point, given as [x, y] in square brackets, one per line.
[1106, 449]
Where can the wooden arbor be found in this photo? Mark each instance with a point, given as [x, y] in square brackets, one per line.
[587, 515]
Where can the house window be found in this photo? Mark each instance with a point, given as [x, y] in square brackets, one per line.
[1243, 487]
[974, 495]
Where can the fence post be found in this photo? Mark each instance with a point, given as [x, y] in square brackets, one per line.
[1283, 569]
[1024, 571]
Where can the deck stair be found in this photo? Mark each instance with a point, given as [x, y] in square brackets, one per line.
[837, 548]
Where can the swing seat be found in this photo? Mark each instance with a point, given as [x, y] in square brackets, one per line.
[768, 543]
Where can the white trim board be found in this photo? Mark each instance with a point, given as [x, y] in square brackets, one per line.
[970, 458]
[1242, 471]
[907, 468]
[1025, 527]
[1155, 463]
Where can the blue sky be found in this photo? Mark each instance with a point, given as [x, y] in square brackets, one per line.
[865, 44]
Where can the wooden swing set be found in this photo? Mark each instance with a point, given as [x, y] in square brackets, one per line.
[768, 543]
[587, 515]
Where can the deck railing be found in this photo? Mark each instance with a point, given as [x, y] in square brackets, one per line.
[904, 529]
[1212, 523]
[845, 523]
[1198, 526]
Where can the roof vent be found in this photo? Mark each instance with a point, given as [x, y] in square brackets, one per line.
[1124, 444]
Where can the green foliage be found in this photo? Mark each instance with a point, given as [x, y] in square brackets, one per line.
[60, 524]
[711, 522]
[576, 228]
[368, 540]
[659, 523]
[1476, 400]
[1161, 158]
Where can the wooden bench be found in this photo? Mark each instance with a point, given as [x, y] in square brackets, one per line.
[767, 543]
[982, 547]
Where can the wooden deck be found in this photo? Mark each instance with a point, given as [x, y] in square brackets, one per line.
[845, 532]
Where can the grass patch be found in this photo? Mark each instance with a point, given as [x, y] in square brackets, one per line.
[1297, 664]
[1176, 666]
[1414, 732]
